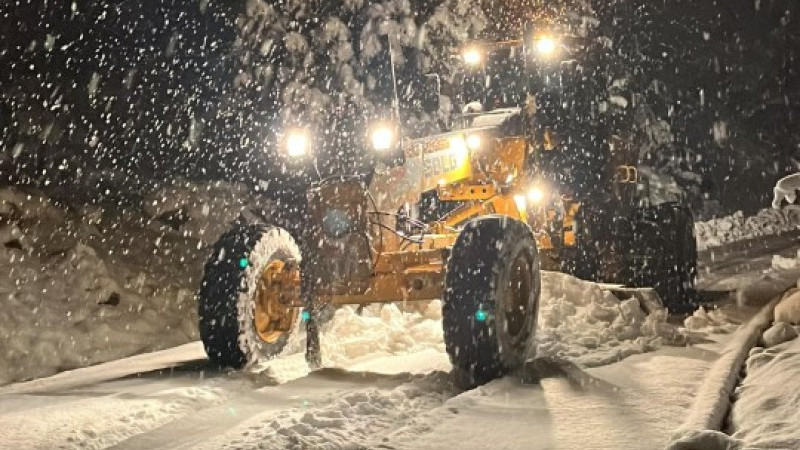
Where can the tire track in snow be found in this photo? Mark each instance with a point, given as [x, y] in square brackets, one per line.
[256, 400]
[342, 419]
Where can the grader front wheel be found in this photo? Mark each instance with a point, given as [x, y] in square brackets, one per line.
[278, 287]
[249, 295]
[491, 299]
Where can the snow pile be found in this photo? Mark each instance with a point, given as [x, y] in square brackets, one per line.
[783, 263]
[778, 333]
[578, 321]
[767, 407]
[737, 227]
[89, 284]
[381, 329]
[582, 322]
[714, 320]
[788, 310]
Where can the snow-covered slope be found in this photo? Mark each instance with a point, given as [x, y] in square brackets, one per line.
[88, 284]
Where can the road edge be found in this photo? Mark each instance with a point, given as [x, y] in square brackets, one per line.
[713, 398]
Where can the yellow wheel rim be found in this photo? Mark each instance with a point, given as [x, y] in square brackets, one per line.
[276, 295]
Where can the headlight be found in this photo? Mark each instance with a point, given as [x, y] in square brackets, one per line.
[545, 46]
[458, 149]
[536, 195]
[298, 142]
[474, 141]
[382, 138]
[472, 56]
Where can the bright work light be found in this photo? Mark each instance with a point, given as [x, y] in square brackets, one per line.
[545, 45]
[382, 137]
[472, 56]
[474, 141]
[297, 142]
[536, 195]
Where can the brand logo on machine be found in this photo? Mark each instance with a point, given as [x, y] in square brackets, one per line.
[441, 162]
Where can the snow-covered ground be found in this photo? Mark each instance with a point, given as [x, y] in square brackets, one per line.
[386, 386]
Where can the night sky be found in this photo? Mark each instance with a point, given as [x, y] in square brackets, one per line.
[128, 93]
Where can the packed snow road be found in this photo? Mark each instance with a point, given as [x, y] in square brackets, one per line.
[609, 380]
[172, 400]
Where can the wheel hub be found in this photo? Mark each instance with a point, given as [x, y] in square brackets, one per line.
[276, 298]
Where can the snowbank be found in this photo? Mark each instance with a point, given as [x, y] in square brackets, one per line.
[381, 329]
[581, 322]
[712, 399]
[737, 227]
[94, 283]
[767, 407]
[713, 320]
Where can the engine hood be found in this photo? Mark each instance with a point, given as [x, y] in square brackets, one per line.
[508, 121]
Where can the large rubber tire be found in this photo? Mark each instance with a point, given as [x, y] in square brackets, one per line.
[666, 243]
[226, 297]
[596, 255]
[483, 337]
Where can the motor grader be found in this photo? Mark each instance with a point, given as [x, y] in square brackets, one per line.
[467, 216]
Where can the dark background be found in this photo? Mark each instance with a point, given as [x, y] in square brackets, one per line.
[115, 97]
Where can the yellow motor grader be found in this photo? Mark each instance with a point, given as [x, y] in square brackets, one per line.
[463, 216]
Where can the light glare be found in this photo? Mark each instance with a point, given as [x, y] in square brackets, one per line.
[382, 138]
[297, 143]
[458, 147]
[472, 56]
[473, 141]
[536, 195]
[545, 46]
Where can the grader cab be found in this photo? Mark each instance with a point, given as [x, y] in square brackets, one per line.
[463, 216]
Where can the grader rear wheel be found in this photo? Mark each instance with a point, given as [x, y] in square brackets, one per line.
[667, 254]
